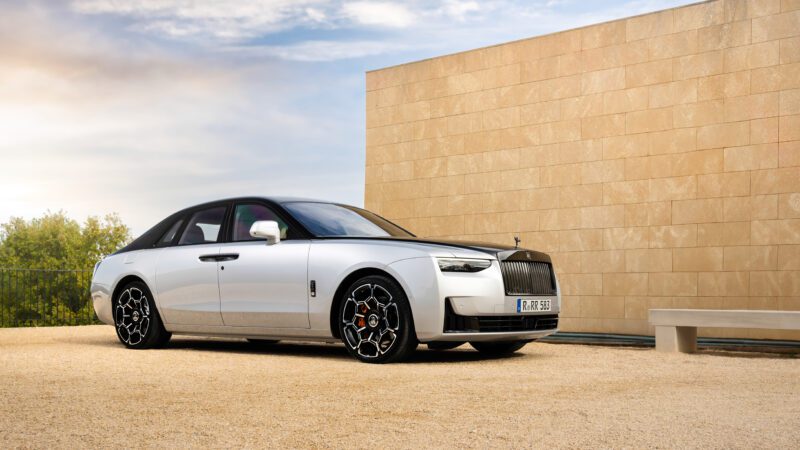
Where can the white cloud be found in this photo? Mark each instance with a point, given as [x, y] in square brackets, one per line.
[320, 51]
[219, 19]
[434, 26]
[387, 14]
[459, 10]
[317, 15]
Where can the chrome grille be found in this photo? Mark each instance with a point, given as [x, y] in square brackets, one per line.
[528, 278]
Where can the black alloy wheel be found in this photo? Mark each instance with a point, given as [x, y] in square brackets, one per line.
[375, 321]
[136, 318]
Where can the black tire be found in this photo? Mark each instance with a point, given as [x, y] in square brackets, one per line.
[503, 348]
[263, 341]
[444, 345]
[136, 318]
[375, 322]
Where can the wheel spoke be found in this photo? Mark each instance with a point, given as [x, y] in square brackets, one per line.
[371, 303]
[392, 317]
[362, 293]
[352, 337]
[145, 306]
[386, 341]
[350, 310]
[368, 349]
[381, 295]
[144, 326]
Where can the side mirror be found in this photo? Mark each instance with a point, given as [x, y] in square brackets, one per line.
[266, 229]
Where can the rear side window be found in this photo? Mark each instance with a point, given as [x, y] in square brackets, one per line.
[246, 215]
[204, 226]
[169, 236]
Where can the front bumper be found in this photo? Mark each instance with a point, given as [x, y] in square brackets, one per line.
[480, 294]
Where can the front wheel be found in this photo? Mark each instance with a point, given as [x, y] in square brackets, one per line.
[136, 318]
[498, 348]
[375, 321]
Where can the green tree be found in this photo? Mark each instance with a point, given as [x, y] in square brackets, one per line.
[46, 266]
[54, 241]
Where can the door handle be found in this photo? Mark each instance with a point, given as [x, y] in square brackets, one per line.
[219, 257]
[227, 256]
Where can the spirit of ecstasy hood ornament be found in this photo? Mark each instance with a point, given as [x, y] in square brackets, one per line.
[517, 240]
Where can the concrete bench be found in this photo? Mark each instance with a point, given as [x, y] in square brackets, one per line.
[676, 329]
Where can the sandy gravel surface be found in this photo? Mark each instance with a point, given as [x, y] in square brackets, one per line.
[77, 387]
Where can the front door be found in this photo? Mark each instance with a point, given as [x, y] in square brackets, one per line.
[263, 285]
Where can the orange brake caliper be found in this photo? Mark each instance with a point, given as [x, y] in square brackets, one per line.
[361, 322]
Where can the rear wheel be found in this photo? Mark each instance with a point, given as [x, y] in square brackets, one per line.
[498, 348]
[136, 318]
[375, 321]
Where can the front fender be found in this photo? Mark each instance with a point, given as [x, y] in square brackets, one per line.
[418, 278]
[331, 262]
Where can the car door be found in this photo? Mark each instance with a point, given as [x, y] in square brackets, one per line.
[187, 272]
[263, 285]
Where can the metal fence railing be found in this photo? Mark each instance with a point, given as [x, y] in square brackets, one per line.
[33, 298]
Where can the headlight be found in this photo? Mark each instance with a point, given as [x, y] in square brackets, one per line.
[463, 265]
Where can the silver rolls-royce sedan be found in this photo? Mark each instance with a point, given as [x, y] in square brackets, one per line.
[268, 269]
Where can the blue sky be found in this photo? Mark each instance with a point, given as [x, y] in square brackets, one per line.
[143, 107]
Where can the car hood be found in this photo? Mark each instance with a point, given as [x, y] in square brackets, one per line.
[499, 251]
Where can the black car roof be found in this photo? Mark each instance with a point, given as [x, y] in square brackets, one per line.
[280, 200]
[150, 237]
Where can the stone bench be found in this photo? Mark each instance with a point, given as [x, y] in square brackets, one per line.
[676, 329]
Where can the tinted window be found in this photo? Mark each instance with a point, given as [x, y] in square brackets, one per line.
[327, 219]
[169, 236]
[247, 214]
[204, 226]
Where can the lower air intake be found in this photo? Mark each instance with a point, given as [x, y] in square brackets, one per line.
[454, 323]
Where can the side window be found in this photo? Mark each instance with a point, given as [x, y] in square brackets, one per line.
[204, 226]
[169, 236]
[246, 214]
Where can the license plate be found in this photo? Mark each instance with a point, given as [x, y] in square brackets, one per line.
[533, 305]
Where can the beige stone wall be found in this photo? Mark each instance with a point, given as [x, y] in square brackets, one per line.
[656, 158]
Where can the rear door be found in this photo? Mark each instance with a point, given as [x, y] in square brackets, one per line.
[263, 285]
[187, 273]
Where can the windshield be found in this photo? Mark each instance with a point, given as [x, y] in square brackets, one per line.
[330, 220]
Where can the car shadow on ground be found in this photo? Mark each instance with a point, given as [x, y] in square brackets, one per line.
[330, 351]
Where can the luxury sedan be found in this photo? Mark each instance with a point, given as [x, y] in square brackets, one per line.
[270, 269]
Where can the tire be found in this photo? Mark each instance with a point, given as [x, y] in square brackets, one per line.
[444, 345]
[498, 348]
[262, 341]
[375, 322]
[136, 318]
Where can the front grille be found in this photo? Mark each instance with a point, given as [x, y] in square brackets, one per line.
[528, 278]
[454, 323]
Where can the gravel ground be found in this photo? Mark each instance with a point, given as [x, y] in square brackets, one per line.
[77, 387]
